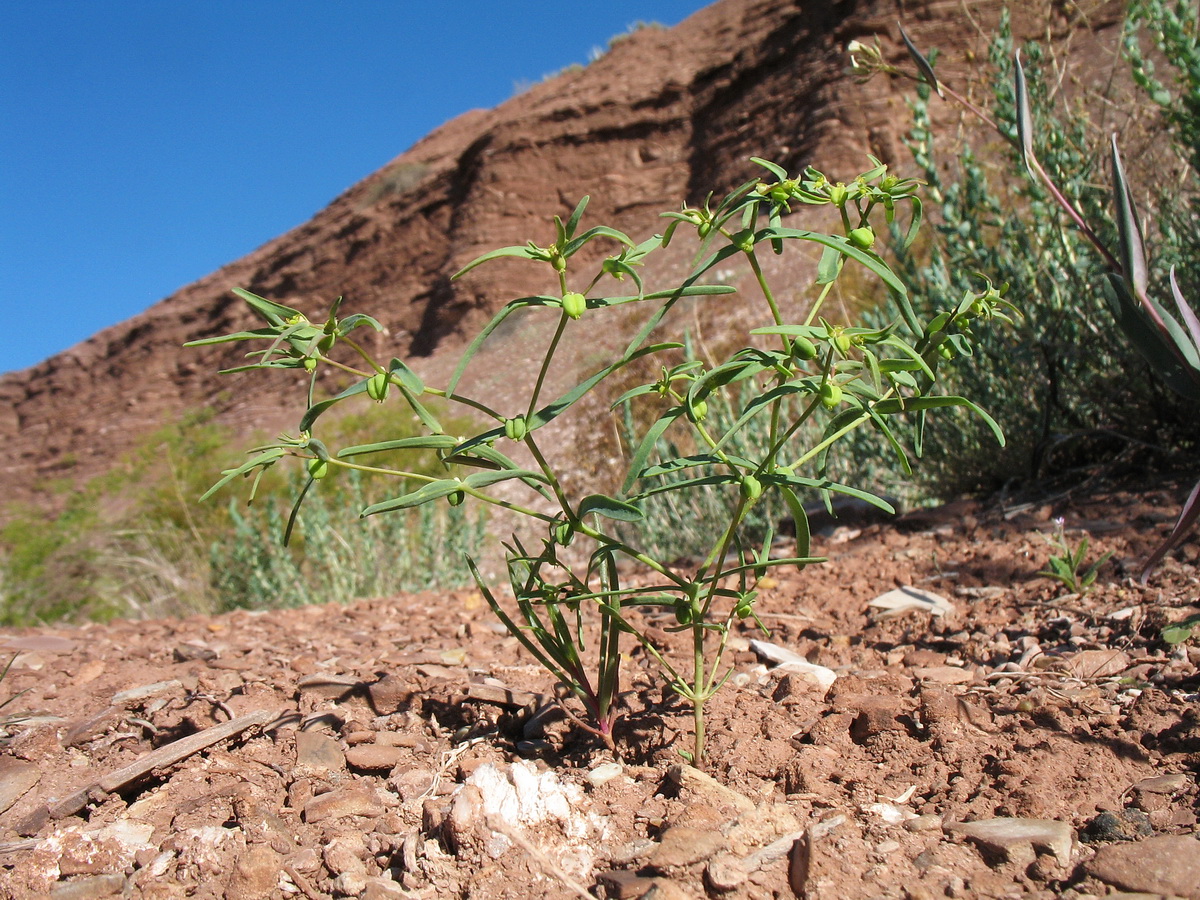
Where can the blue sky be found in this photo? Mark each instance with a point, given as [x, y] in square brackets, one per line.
[144, 143]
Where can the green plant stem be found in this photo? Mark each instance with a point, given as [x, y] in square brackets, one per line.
[545, 368]
[766, 289]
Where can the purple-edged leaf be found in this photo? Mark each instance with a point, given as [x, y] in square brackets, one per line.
[1133, 251]
[1024, 115]
[923, 65]
[1184, 524]
[1185, 311]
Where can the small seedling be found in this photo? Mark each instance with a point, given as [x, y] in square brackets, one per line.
[1068, 567]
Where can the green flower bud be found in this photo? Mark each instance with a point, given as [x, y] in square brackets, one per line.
[831, 394]
[842, 343]
[378, 386]
[318, 468]
[863, 238]
[838, 194]
[704, 229]
[945, 351]
[516, 428]
[751, 488]
[564, 533]
[574, 304]
[560, 264]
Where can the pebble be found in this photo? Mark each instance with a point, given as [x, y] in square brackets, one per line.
[1015, 839]
[16, 778]
[373, 757]
[1098, 663]
[604, 773]
[943, 674]
[1163, 784]
[1169, 864]
[682, 846]
[318, 751]
[255, 874]
[348, 801]
[90, 888]
[344, 853]
[1122, 825]
[389, 695]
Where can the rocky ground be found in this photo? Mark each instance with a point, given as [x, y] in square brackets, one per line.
[1009, 740]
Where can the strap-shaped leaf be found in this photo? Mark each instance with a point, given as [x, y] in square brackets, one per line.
[595, 232]
[800, 518]
[1151, 342]
[318, 409]
[691, 462]
[266, 458]
[256, 334]
[496, 321]
[556, 408]
[918, 404]
[294, 514]
[1184, 524]
[424, 442]
[1129, 229]
[825, 485]
[846, 248]
[525, 252]
[777, 170]
[275, 313]
[610, 508]
[433, 490]
[646, 447]
[687, 485]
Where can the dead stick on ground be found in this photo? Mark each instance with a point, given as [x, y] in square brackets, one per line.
[164, 756]
[547, 865]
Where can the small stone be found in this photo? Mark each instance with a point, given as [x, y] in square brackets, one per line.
[349, 884]
[691, 780]
[943, 674]
[382, 889]
[345, 853]
[725, 872]
[146, 690]
[877, 714]
[16, 778]
[604, 773]
[1123, 825]
[45, 643]
[411, 784]
[923, 823]
[91, 888]
[389, 695]
[909, 599]
[1098, 663]
[373, 757]
[1163, 784]
[190, 652]
[328, 687]
[255, 874]
[1168, 864]
[318, 751]
[625, 885]
[348, 801]
[1014, 839]
[682, 846]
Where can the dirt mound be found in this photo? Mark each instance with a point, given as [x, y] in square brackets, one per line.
[1009, 741]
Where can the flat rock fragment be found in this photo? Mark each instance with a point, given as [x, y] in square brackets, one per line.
[1168, 864]
[1015, 839]
[16, 778]
[910, 599]
[790, 661]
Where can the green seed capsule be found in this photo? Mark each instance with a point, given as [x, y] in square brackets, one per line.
[515, 428]
[842, 343]
[574, 304]
[704, 229]
[744, 240]
[863, 238]
[803, 348]
[318, 468]
[698, 411]
[456, 498]
[310, 364]
[831, 394]
[751, 488]
[378, 386]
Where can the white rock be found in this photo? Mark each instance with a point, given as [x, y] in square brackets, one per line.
[909, 599]
[790, 661]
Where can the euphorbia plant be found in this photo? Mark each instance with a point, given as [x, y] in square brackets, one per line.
[814, 380]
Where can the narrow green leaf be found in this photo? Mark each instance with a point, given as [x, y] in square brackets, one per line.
[610, 508]
[521, 252]
[496, 321]
[433, 490]
[294, 514]
[917, 404]
[275, 313]
[426, 442]
[830, 265]
[846, 248]
[778, 171]
[800, 518]
[646, 447]
[318, 409]
[266, 458]
[576, 215]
